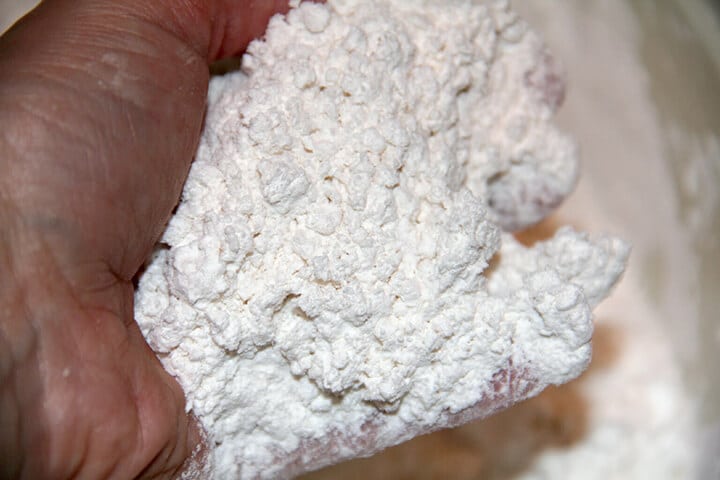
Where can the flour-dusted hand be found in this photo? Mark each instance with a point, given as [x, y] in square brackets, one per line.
[338, 276]
[101, 106]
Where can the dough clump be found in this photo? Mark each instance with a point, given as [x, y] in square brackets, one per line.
[340, 274]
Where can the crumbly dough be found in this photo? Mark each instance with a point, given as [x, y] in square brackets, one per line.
[338, 276]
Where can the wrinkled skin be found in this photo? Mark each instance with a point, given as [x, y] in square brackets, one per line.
[101, 107]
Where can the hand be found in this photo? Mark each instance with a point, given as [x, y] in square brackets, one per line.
[101, 106]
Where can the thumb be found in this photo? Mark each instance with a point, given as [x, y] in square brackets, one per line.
[106, 98]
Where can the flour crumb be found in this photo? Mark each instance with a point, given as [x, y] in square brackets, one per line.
[339, 275]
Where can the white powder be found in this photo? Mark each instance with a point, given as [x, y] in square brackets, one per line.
[632, 415]
[325, 290]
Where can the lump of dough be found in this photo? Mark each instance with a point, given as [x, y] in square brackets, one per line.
[338, 276]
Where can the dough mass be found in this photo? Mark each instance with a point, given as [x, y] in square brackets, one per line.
[340, 263]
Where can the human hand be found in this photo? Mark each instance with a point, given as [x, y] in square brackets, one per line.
[101, 106]
[100, 112]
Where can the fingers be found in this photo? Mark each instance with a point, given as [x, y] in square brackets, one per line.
[214, 29]
[239, 23]
[508, 386]
[101, 108]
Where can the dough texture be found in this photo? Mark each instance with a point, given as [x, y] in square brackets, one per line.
[340, 275]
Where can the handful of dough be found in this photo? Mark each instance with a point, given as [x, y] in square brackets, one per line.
[340, 274]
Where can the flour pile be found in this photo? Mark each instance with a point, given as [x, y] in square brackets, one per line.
[338, 277]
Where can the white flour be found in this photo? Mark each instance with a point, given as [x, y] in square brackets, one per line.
[326, 275]
[631, 416]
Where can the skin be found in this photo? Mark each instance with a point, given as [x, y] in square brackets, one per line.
[101, 107]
